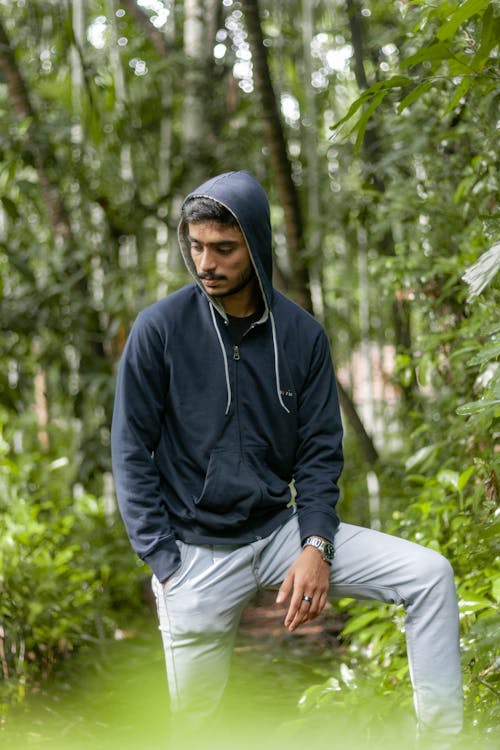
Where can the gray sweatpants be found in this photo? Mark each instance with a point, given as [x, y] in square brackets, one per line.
[200, 606]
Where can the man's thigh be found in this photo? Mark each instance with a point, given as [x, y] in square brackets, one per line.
[368, 564]
[373, 565]
[206, 594]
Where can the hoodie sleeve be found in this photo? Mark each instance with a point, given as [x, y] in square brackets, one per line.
[137, 420]
[319, 457]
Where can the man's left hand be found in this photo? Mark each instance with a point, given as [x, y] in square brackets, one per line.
[308, 576]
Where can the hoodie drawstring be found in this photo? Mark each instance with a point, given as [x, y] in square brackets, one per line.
[226, 366]
[276, 363]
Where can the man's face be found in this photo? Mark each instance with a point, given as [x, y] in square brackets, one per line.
[221, 258]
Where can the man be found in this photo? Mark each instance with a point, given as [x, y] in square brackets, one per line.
[226, 397]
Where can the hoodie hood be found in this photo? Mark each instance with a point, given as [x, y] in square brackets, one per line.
[246, 199]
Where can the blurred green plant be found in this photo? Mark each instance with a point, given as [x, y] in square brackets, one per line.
[443, 487]
[66, 574]
[440, 484]
[455, 52]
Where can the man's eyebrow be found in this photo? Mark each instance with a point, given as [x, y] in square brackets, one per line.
[233, 243]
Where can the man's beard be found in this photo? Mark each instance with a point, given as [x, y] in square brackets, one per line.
[245, 278]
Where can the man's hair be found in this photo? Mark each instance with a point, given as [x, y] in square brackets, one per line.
[199, 208]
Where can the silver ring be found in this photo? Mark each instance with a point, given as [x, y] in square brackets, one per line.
[307, 599]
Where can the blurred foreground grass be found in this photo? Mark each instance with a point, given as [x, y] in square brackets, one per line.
[115, 698]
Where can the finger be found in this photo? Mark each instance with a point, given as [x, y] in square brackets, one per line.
[314, 609]
[294, 608]
[301, 614]
[285, 589]
[311, 611]
[322, 601]
[318, 604]
[308, 605]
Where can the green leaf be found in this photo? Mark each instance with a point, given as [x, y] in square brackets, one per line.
[394, 82]
[357, 623]
[23, 126]
[10, 207]
[448, 479]
[495, 589]
[419, 456]
[434, 53]
[415, 94]
[462, 89]
[425, 369]
[483, 271]
[363, 120]
[486, 354]
[352, 110]
[490, 36]
[463, 13]
[465, 476]
[476, 407]
[471, 605]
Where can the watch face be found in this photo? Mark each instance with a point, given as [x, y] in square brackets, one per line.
[328, 551]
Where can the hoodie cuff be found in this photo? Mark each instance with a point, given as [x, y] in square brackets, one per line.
[164, 561]
[318, 523]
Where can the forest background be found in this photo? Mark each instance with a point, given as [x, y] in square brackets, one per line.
[374, 128]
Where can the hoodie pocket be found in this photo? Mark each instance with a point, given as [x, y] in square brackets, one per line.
[238, 485]
[275, 488]
[229, 484]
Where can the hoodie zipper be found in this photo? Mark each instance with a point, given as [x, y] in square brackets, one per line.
[236, 353]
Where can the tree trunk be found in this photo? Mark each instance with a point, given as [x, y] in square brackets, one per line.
[21, 104]
[400, 310]
[280, 163]
[366, 443]
[197, 143]
[276, 142]
[314, 173]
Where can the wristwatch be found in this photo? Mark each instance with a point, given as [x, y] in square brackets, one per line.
[325, 548]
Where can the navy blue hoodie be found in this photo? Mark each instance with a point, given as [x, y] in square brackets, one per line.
[205, 447]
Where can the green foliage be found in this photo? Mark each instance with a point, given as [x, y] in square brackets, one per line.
[436, 185]
[412, 190]
[458, 56]
[65, 566]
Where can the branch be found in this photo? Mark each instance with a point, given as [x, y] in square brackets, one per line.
[155, 37]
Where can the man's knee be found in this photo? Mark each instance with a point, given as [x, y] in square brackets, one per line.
[434, 570]
[441, 567]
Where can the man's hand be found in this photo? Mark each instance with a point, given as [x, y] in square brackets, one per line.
[308, 576]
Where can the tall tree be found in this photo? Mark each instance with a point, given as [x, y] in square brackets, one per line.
[278, 154]
[289, 197]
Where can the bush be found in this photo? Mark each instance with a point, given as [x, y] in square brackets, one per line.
[66, 572]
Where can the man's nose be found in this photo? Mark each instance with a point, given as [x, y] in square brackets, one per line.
[207, 260]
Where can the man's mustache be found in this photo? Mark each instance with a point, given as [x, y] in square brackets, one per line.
[210, 277]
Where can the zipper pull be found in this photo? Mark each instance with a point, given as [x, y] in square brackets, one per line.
[236, 353]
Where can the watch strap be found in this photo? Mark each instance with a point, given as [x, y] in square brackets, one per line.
[324, 548]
